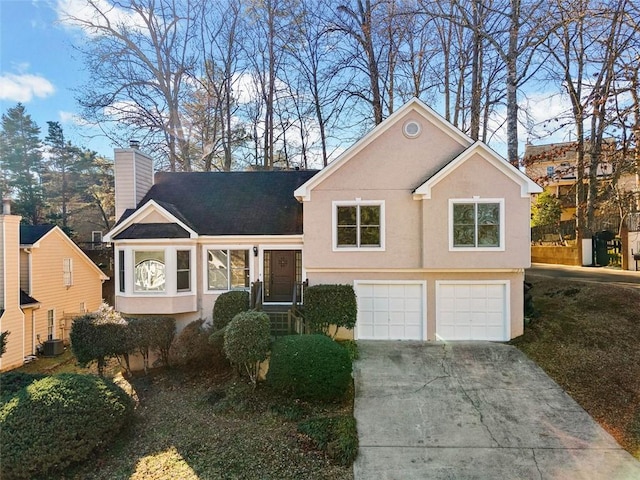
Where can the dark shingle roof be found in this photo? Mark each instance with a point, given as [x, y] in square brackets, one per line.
[30, 234]
[152, 230]
[26, 299]
[233, 203]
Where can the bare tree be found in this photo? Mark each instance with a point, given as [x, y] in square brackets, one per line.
[139, 56]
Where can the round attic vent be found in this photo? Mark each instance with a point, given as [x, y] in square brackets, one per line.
[411, 129]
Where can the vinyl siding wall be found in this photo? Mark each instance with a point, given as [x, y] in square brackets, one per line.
[48, 286]
[13, 318]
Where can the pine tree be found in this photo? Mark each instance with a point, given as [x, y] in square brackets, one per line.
[21, 163]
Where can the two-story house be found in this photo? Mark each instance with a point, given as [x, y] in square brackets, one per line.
[430, 227]
[45, 280]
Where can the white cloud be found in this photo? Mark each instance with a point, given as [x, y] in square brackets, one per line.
[23, 87]
[71, 118]
[87, 15]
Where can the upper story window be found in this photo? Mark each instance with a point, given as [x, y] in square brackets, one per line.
[67, 272]
[149, 271]
[358, 225]
[476, 224]
[228, 269]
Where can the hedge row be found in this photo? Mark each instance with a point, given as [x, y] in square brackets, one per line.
[98, 337]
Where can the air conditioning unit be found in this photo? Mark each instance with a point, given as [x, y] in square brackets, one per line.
[53, 348]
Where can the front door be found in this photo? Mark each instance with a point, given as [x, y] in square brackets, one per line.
[281, 268]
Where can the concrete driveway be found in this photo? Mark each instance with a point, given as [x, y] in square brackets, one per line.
[473, 411]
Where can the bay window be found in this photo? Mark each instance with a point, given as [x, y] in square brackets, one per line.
[149, 271]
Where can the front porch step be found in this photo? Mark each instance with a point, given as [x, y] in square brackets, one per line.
[279, 319]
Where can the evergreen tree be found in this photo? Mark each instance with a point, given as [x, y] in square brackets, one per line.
[21, 163]
[66, 174]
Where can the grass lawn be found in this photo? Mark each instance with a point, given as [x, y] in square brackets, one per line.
[586, 336]
[184, 429]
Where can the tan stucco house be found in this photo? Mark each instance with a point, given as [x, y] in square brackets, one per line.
[46, 280]
[430, 227]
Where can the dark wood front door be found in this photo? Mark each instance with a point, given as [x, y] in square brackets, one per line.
[282, 275]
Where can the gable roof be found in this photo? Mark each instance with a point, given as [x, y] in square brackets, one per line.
[31, 234]
[303, 193]
[222, 203]
[152, 230]
[527, 186]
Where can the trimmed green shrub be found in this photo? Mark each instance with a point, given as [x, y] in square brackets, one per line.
[309, 367]
[4, 337]
[191, 347]
[337, 436]
[327, 305]
[94, 339]
[227, 306]
[350, 346]
[162, 334]
[13, 382]
[55, 421]
[246, 341]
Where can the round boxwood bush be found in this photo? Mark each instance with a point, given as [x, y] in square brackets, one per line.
[309, 367]
[227, 306]
[246, 341]
[58, 420]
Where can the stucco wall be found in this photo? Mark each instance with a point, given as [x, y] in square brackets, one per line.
[388, 170]
[476, 177]
[515, 279]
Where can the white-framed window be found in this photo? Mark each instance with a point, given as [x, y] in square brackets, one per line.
[358, 225]
[50, 324]
[183, 270]
[96, 239]
[476, 224]
[149, 271]
[228, 269]
[121, 271]
[67, 272]
[155, 271]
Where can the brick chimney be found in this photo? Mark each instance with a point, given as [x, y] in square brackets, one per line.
[134, 176]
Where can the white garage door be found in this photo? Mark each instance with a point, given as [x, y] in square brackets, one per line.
[472, 311]
[390, 311]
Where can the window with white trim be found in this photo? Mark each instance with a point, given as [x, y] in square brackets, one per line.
[149, 271]
[67, 272]
[358, 225]
[476, 224]
[121, 271]
[50, 324]
[183, 270]
[228, 269]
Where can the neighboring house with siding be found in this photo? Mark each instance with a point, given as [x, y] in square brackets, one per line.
[47, 280]
[430, 227]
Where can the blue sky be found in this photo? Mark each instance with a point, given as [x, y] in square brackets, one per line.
[39, 67]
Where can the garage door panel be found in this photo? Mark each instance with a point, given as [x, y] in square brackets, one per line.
[397, 304]
[471, 311]
[395, 310]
